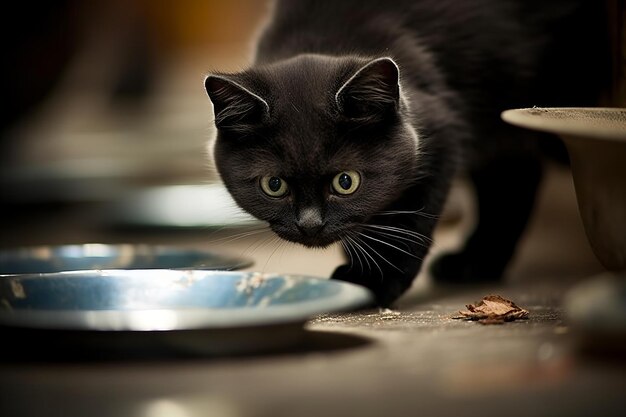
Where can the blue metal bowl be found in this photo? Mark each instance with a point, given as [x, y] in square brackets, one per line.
[200, 311]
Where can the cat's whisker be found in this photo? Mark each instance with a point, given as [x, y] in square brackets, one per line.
[405, 241]
[241, 235]
[279, 242]
[360, 242]
[346, 248]
[282, 245]
[257, 245]
[224, 228]
[379, 255]
[389, 244]
[399, 231]
[400, 239]
[359, 254]
[358, 250]
[415, 212]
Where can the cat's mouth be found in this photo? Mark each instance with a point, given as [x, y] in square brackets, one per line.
[319, 239]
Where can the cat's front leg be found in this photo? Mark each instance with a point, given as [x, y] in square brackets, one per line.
[386, 285]
[386, 254]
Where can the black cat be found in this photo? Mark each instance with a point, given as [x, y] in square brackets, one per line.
[356, 115]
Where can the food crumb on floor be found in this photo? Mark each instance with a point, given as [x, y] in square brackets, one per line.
[493, 309]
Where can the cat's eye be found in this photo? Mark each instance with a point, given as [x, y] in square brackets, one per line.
[274, 186]
[346, 182]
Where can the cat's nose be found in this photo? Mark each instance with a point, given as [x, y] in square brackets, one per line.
[310, 222]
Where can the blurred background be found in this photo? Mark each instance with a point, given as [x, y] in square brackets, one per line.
[106, 120]
[104, 100]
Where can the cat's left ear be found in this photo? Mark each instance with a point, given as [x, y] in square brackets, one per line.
[372, 92]
[235, 106]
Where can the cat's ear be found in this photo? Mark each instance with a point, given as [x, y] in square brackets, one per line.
[372, 92]
[235, 106]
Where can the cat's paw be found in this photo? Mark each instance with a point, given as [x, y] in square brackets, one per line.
[462, 268]
[385, 291]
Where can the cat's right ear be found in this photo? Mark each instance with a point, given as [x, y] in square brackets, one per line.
[372, 93]
[235, 107]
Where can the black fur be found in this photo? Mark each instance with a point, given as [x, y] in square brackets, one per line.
[347, 85]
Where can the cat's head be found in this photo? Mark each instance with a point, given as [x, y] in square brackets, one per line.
[314, 145]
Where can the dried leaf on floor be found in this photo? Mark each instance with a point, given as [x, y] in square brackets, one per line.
[493, 309]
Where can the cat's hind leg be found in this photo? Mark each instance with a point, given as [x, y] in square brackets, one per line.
[505, 193]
